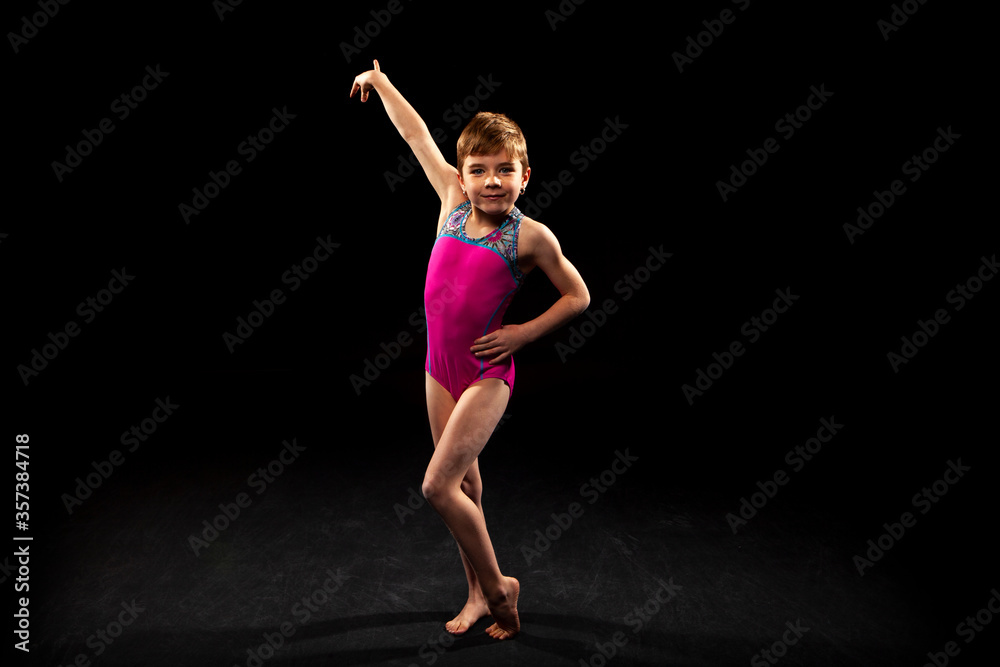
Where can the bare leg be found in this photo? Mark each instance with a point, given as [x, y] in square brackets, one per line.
[475, 607]
[440, 405]
[449, 484]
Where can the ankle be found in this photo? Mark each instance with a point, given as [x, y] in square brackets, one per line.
[499, 596]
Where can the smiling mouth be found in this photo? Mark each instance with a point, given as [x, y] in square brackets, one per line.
[492, 196]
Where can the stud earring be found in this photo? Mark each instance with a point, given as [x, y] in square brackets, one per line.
[522, 189]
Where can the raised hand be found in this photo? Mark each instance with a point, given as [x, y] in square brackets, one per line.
[364, 82]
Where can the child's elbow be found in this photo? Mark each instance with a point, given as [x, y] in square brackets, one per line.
[582, 301]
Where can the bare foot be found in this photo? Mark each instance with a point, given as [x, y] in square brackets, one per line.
[473, 610]
[505, 613]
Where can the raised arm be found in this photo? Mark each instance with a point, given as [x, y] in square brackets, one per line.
[443, 176]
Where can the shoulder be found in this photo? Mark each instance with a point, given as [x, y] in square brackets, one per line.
[534, 238]
[451, 209]
[536, 246]
[454, 198]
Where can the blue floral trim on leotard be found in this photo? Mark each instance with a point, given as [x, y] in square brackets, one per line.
[502, 240]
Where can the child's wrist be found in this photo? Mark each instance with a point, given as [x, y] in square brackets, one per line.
[530, 332]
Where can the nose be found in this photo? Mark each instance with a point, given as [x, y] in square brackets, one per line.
[493, 181]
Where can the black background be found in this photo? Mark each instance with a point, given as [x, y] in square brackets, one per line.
[654, 186]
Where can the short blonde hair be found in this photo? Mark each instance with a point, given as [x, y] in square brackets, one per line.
[487, 133]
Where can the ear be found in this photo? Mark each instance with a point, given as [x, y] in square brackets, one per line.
[525, 177]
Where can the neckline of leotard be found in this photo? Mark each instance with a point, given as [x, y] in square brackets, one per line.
[512, 216]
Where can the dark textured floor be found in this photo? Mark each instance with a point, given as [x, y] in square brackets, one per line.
[398, 578]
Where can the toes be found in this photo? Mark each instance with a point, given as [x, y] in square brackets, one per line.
[497, 632]
[456, 627]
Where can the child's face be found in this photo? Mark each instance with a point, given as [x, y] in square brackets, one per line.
[493, 182]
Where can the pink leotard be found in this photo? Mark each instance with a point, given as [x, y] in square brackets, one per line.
[470, 283]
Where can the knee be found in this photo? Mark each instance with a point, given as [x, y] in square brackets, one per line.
[429, 489]
[435, 490]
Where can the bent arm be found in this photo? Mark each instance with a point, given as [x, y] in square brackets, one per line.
[575, 297]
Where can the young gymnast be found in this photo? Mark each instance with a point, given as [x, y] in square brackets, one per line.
[483, 251]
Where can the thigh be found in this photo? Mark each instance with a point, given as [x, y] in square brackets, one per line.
[440, 405]
[467, 430]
